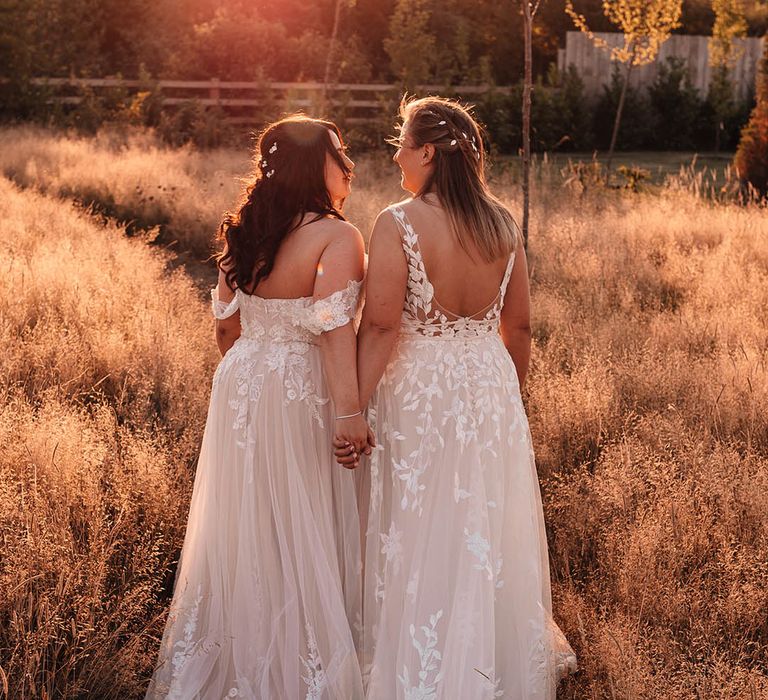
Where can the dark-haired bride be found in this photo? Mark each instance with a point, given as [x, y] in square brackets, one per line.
[269, 573]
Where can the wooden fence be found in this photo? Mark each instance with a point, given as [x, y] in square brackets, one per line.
[595, 66]
[242, 101]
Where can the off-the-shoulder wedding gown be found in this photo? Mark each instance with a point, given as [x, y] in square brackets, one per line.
[269, 572]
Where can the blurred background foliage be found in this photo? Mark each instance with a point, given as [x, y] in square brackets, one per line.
[459, 42]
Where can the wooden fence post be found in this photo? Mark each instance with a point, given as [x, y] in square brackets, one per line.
[215, 91]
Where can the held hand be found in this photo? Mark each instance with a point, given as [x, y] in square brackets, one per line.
[348, 451]
[353, 433]
[346, 455]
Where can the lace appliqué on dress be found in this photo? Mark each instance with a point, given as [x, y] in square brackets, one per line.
[333, 311]
[422, 313]
[430, 659]
[223, 309]
[315, 679]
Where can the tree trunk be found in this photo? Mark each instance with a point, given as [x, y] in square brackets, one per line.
[330, 57]
[527, 90]
[619, 111]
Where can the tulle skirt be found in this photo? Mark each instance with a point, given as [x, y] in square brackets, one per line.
[269, 583]
[457, 592]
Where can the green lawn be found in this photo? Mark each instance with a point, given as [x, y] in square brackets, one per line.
[659, 164]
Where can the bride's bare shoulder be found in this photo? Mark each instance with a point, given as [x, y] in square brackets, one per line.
[333, 230]
[386, 217]
[404, 204]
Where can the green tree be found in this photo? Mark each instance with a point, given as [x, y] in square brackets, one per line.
[646, 25]
[410, 44]
[676, 106]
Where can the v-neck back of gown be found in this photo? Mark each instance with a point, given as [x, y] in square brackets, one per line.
[423, 314]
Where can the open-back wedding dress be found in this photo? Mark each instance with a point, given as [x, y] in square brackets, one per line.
[457, 593]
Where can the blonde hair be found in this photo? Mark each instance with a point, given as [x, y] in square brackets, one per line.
[479, 220]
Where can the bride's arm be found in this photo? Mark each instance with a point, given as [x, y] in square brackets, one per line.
[342, 260]
[385, 289]
[516, 316]
[227, 328]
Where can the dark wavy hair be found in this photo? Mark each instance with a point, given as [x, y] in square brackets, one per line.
[479, 220]
[288, 182]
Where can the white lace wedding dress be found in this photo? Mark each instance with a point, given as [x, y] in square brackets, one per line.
[457, 593]
[270, 568]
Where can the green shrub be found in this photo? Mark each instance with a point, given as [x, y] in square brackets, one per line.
[636, 129]
[500, 114]
[560, 113]
[723, 115]
[676, 106]
[560, 118]
[193, 123]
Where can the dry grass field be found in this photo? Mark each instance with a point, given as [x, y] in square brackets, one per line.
[648, 401]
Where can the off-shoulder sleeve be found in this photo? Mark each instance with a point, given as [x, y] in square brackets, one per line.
[223, 309]
[333, 311]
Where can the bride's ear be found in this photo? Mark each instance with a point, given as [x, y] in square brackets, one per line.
[427, 153]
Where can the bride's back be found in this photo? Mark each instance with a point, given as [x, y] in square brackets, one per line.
[464, 282]
[296, 263]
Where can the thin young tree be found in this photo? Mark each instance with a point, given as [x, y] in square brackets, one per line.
[529, 10]
[730, 24]
[646, 25]
[332, 48]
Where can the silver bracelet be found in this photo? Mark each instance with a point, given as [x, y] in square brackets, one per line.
[351, 415]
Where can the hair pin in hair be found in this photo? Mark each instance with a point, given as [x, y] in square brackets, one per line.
[273, 147]
[264, 163]
[442, 123]
[270, 173]
[453, 143]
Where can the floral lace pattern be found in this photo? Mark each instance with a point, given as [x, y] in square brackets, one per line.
[422, 312]
[185, 647]
[315, 675]
[333, 311]
[429, 674]
[277, 336]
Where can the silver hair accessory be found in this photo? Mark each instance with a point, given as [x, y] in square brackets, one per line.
[265, 164]
[442, 123]
[475, 149]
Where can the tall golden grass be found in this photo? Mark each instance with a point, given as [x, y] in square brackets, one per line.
[105, 364]
[648, 401]
[132, 177]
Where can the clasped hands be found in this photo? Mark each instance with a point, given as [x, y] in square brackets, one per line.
[353, 437]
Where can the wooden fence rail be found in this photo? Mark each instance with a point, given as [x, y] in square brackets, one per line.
[360, 102]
